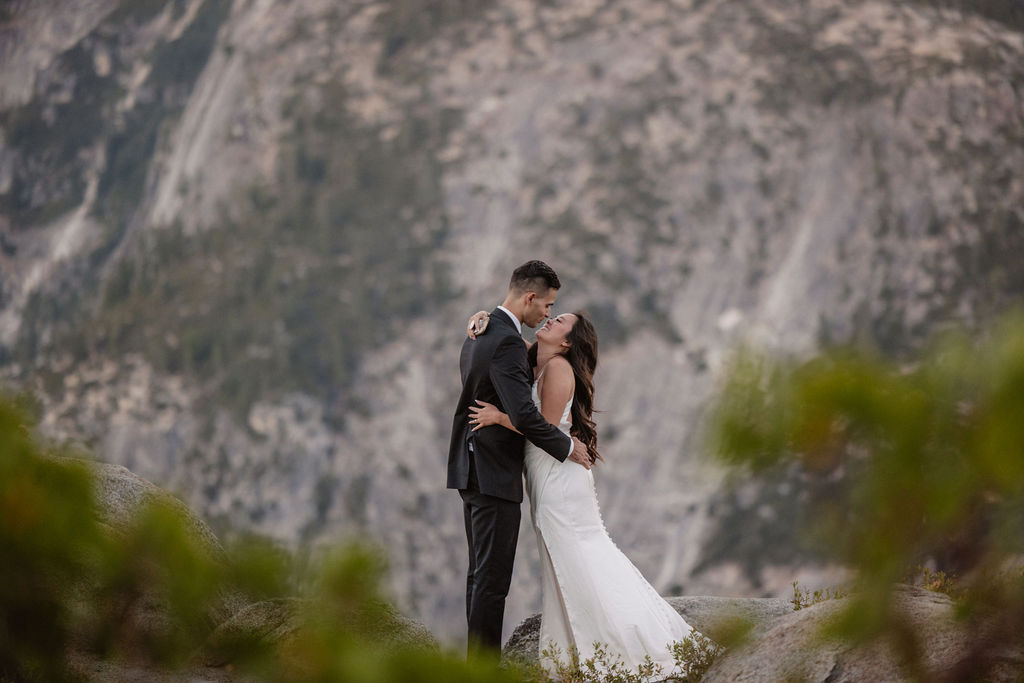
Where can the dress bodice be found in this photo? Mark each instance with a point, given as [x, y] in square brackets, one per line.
[565, 423]
[590, 592]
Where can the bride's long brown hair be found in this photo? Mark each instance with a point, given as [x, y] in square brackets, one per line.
[582, 357]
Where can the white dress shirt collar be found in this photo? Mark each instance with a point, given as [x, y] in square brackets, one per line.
[515, 320]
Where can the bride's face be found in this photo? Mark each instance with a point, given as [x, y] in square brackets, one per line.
[556, 330]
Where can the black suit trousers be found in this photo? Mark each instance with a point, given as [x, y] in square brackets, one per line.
[492, 530]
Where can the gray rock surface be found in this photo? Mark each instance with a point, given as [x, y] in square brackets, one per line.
[792, 649]
[121, 494]
[270, 621]
[97, 671]
[784, 644]
[276, 622]
[705, 613]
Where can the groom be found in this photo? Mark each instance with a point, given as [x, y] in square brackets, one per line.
[486, 466]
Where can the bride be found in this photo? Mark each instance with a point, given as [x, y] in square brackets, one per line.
[591, 593]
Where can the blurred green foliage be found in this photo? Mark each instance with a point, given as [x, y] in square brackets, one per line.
[78, 594]
[930, 456]
[47, 543]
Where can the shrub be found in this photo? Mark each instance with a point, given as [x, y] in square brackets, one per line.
[930, 458]
[74, 589]
[692, 656]
[803, 599]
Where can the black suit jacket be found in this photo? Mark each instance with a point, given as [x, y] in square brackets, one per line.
[495, 369]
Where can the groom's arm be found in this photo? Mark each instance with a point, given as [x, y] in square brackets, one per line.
[510, 376]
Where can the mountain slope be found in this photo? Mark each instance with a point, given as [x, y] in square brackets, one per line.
[238, 246]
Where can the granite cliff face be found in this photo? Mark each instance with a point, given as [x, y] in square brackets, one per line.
[238, 241]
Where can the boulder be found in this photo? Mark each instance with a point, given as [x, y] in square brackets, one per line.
[793, 649]
[708, 614]
[120, 493]
[276, 624]
[784, 644]
[258, 624]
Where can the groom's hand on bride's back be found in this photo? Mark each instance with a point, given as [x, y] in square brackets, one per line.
[579, 453]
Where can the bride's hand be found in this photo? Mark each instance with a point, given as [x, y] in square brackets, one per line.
[484, 415]
[477, 324]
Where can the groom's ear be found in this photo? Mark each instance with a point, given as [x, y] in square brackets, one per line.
[530, 296]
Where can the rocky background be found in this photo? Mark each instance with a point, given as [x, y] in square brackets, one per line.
[239, 241]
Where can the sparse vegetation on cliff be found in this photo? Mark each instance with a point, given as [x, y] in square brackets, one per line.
[324, 265]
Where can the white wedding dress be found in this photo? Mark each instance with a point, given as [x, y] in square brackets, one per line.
[591, 591]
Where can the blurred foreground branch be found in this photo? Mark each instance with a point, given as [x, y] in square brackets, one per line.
[931, 460]
[84, 596]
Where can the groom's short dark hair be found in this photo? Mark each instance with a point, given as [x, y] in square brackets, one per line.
[534, 276]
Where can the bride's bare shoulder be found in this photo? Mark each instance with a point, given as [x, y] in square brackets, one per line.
[559, 362]
[558, 368]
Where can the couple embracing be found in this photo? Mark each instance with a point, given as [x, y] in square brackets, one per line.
[530, 408]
